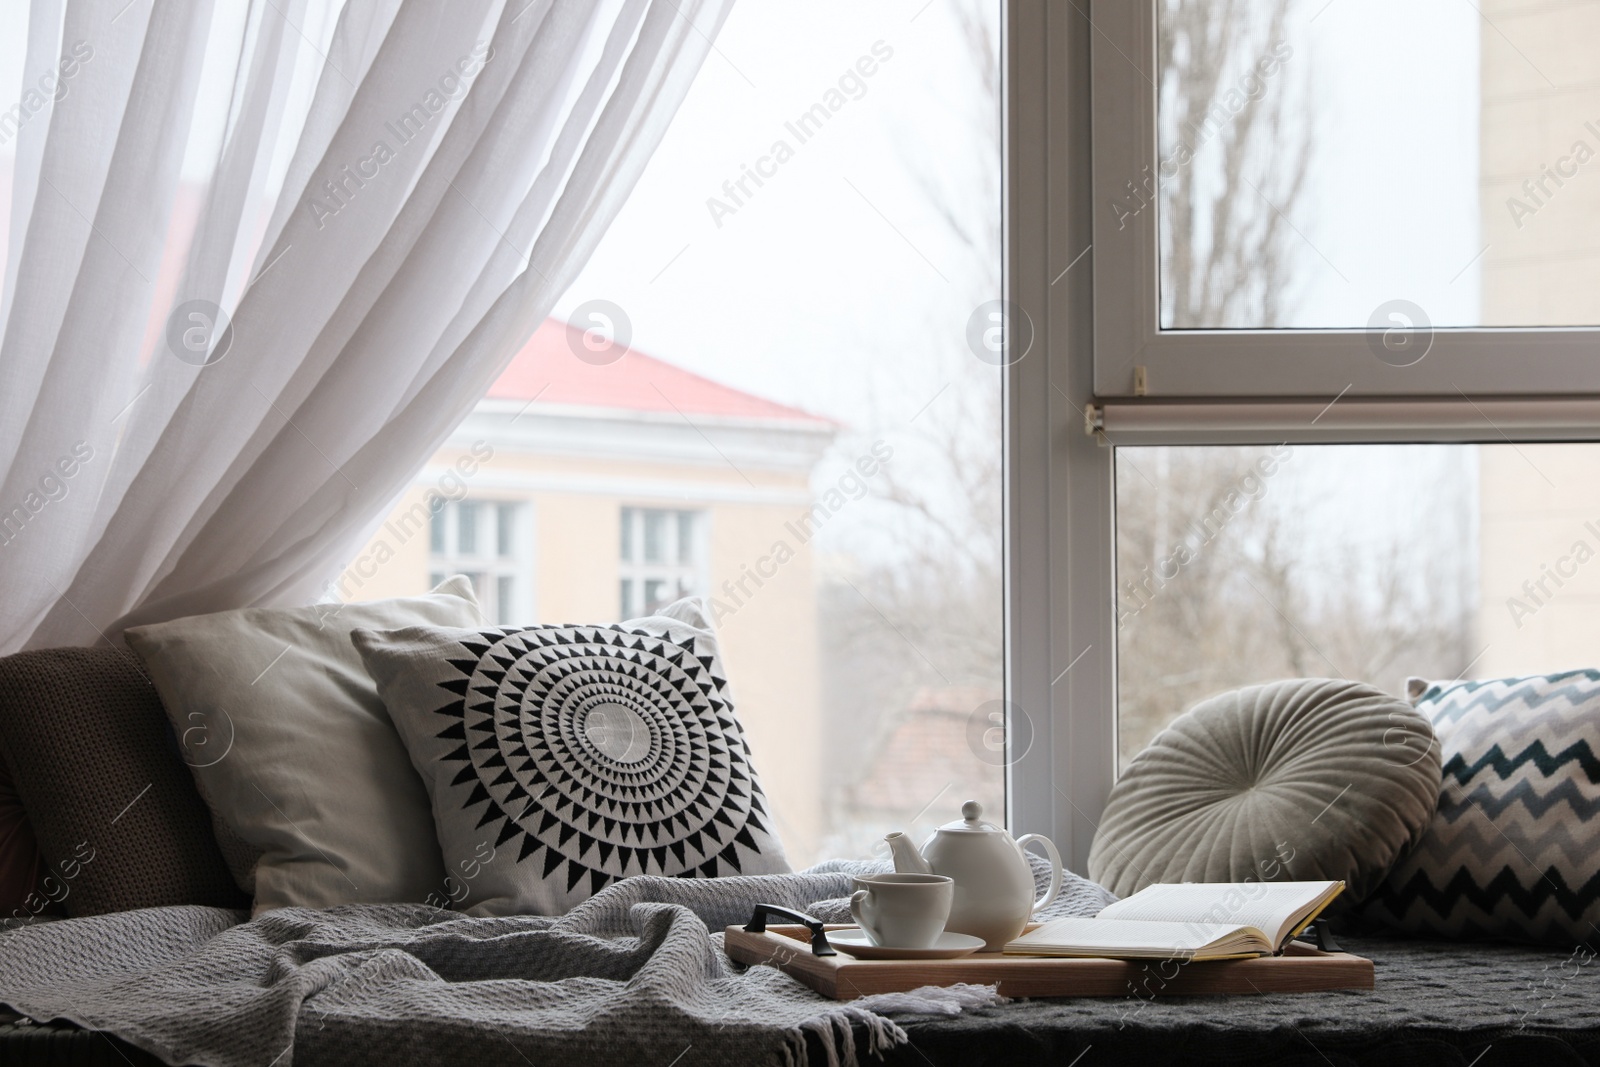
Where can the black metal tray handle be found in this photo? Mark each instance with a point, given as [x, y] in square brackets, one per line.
[1320, 934]
[819, 937]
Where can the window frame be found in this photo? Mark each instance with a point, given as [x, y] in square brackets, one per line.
[691, 578]
[488, 560]
[1060, 633]
[1070, 397]
[1462, 362]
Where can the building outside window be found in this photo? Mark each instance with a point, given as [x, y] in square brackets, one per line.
[662, 558]
[483, 540]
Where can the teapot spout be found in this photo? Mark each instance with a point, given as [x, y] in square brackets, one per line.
[907, 860]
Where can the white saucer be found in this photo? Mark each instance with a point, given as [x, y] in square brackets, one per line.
[949, 946]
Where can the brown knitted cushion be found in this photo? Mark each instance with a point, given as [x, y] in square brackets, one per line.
[21, 866]
[112, 804]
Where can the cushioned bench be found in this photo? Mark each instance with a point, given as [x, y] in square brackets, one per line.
[1435, 1003]
[27, 1044]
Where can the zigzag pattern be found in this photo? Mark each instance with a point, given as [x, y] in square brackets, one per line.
[1458, 767]
[1514, 847]
[1495, 801]
[1422, 898]
[1452, 701]
[1528, 845]
[1557, 724]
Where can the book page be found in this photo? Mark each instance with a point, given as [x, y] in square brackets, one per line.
[1135, 937]
[1269, 907]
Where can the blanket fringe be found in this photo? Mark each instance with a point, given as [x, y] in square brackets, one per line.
[835, 1029]
[934, 1000]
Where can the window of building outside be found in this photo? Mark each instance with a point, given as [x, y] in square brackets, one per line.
[661, 558]
[481, 539]
[774, 385]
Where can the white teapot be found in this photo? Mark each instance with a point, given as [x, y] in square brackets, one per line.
[993, 882]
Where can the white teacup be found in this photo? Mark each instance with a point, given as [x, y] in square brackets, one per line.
[902, 910]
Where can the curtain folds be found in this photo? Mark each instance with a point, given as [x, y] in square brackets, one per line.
[261, 258]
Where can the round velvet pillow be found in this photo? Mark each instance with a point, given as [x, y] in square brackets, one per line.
[1302, 780]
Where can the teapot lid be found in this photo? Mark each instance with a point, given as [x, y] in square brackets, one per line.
[971, 820]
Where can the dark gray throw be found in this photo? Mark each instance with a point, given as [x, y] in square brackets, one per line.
[635, 974]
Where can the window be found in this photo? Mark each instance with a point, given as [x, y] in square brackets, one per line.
[1245, 245]
[1239, 455]
[1240, 565]
[480, 538]
[661, 559]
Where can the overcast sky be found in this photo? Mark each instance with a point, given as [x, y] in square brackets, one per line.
[1391, 210]
[817, 288]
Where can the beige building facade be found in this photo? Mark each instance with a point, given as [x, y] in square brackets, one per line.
[590, 492]
[1539, 534]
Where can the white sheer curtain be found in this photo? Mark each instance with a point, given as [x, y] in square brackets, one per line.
[261, 257]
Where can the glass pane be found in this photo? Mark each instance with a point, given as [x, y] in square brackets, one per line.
[467, 528]
[782, 341]
[506, 531]
[685, 537]
[1373, 563]
[505, 599]
[1341, 164]
[655, 534]
[436, 530]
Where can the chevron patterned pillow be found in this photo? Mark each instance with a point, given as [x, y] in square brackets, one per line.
[1514, 847]
[562, 758]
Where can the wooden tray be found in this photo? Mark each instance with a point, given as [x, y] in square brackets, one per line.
[1301, 969]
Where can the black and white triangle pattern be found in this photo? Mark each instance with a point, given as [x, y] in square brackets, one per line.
[590, 753]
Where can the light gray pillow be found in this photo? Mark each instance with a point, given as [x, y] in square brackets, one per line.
[1305, 779]
[292, 749]
[561, 758]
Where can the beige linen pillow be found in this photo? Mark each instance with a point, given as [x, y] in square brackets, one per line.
[291, 747]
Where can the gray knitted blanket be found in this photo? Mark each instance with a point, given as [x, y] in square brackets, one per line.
[634, 975]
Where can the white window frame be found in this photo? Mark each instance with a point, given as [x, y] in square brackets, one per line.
[1259, 363]
[1078, 116]
[691, 577]
[1060, 612]
[518, 566]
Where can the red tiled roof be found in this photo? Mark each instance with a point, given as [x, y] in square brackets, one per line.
[926, 753]
[548, 369]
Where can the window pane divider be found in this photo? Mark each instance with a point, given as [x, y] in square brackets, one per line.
[1345, 419]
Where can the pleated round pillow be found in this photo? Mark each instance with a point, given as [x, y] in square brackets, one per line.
[1300, 780]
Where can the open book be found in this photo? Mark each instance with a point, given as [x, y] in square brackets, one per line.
[1192, 921]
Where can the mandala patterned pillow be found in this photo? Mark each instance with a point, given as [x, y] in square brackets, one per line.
[561, 758]
[1514, 847]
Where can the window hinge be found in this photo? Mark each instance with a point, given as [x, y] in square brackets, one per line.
[1093, 419]
[1141, 381]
